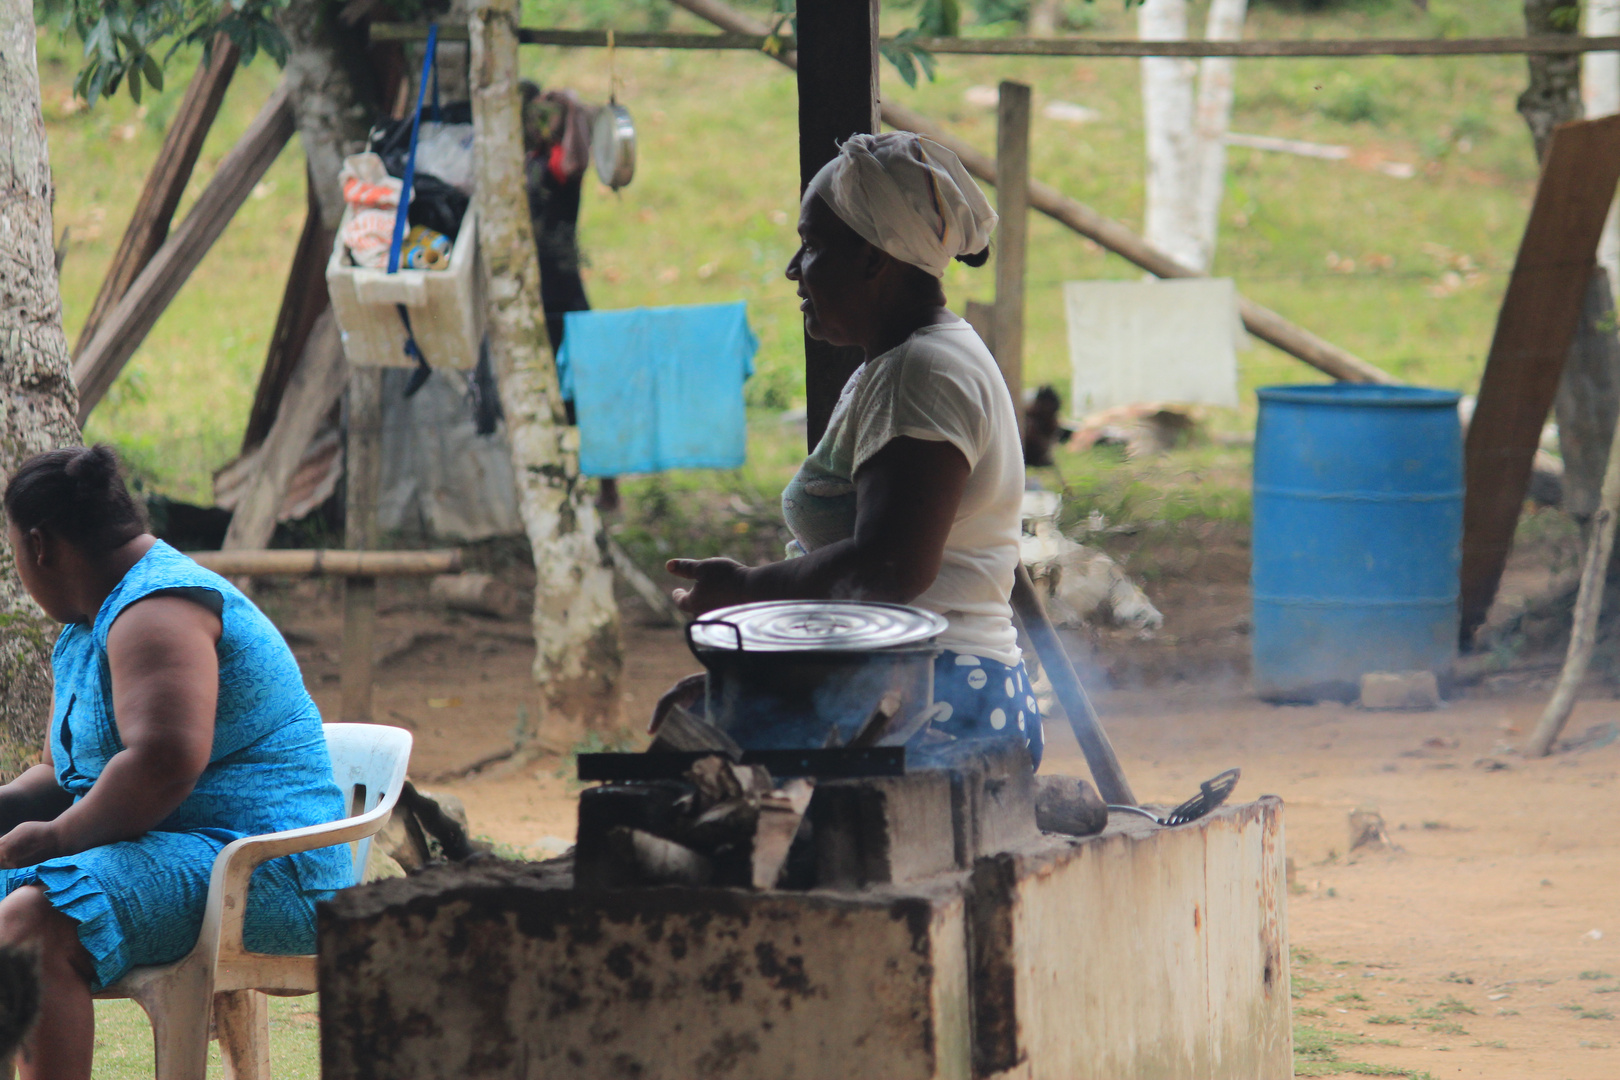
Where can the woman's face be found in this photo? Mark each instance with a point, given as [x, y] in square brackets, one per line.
[833, 270]
[37, 567]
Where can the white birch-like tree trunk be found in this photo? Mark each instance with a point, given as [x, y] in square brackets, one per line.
[576, 620]
[1170, 222]
[37, 396]
[1600, 93]
[1210, 122]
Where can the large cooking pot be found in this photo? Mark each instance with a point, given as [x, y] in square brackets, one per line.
[785, 675]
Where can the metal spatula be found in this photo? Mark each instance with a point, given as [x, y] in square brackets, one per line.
[1211, 794]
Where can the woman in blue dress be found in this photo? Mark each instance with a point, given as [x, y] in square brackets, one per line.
[180, 722]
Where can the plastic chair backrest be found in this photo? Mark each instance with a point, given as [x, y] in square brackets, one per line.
[368, 763]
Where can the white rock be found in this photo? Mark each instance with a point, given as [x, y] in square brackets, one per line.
[1400, 690]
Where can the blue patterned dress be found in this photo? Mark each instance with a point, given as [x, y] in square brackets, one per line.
[141, 901]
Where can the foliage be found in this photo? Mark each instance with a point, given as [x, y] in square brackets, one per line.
[123, 38]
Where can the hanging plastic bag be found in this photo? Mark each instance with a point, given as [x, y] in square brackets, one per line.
[367, 184]
[368, 235]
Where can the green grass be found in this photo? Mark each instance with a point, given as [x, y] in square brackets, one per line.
[124, 1042]
[1316, 1053]
[1407, 273]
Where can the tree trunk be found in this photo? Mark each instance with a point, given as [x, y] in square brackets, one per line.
[1588, 401]
[1589, 391]
[1554, 94]
[576, 621]
[37, 398]
[334, 94]
[1600, 93]
[1213, 116]
[1167, 110]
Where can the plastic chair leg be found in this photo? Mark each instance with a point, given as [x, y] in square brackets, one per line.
[178, 1007]
[242, 1022]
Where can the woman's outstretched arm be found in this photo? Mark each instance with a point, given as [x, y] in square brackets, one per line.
[165, 683]
[906, 498]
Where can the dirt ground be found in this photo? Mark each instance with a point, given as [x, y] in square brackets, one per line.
[1485, 944]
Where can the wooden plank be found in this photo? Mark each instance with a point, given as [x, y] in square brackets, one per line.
[1110, 234]
[1012, 236]
[1534, 329]
[302, 302]
[838, 97]
[133, 317]
[1027, 46]
[166, 183]
[364, 478]
[314, 386]
[307, 562]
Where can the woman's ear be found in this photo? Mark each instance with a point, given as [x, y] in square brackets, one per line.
[874, 261]
[40, 549]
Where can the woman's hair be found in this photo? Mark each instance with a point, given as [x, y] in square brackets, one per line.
[977, 258]
[77, 494]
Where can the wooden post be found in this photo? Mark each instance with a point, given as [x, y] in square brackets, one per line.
[133, 317]
[1534, 329]
[838, 97]
[1012, 206]
[363, 473]
[302, 302]
[166, 183]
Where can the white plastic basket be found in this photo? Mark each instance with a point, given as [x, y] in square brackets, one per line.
[446, 306]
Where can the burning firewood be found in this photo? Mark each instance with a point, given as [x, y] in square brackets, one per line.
[657, 861]
[723, 824]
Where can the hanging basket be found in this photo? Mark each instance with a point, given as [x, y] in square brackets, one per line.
[446, 306]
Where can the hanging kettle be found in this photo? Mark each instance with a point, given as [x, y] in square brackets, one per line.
[613, 145]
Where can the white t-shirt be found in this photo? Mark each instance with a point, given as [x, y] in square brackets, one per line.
[941, 384]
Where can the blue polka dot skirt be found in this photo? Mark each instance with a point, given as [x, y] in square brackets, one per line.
[987, 700]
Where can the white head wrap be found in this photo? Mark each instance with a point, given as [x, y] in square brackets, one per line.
[908, 196]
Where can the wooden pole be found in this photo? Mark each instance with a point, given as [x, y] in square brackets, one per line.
[1070, 693]
[1537, 321]
[316, 383]
[757, 40]
[302, 302]
[1262, 322]
[1012, 236]
[838, 97]
[1588, 606]
[318, 562]
[363, 475]
[133, 317]
[166, 183]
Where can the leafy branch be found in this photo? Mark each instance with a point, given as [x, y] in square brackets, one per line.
[124, 39]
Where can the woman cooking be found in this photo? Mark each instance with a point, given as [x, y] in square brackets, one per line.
[180, 723]
[912, 495]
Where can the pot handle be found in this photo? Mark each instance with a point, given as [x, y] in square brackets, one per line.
[695, 623]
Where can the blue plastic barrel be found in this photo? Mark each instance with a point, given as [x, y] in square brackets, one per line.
[1358, 497]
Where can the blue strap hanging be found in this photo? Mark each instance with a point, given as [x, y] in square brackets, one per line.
[430, 69]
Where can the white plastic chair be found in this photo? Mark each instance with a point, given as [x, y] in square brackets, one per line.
[368, 762]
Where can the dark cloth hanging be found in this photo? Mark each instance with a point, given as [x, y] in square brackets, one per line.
[556, 143]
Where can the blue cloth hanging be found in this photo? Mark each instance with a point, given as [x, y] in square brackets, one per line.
[658, 388]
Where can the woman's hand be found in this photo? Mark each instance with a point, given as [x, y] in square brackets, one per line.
[29, 843]
[719, 583]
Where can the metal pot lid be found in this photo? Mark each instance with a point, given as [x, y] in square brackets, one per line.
[613, 145]
[815, 626]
